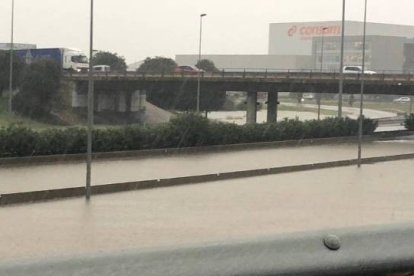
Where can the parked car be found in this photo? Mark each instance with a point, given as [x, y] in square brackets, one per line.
[403, 100]
[357, 70]
[308, 96]
[186, 69]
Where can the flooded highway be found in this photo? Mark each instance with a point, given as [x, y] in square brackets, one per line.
[219, 211]
[70, 174]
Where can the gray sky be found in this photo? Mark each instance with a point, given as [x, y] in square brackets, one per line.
[137, 29]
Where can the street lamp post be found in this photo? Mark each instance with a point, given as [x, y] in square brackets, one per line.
[319, 95]
[341, 63]
[322, 46]
[361, 108]
[90, 111]
[11, 61]
[199, 58]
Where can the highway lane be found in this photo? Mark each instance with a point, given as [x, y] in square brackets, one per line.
[70, 174]
[219, 211]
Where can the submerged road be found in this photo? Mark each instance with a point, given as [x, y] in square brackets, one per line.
[219, 211]
[69, 174]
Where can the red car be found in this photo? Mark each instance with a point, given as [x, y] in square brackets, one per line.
[187, 70]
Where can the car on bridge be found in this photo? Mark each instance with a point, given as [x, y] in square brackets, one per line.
[187, 70]
[102, 68]
[357, 70]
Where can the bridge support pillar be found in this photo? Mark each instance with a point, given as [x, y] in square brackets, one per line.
[272, 104]
[251, 115]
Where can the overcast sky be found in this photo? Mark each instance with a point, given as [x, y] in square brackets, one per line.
[137, 29]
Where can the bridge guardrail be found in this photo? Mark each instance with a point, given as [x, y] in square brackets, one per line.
[268, 74]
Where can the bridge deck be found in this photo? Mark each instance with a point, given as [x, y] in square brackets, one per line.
[317, 82]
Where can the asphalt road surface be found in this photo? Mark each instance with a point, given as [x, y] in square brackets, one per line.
[219, 211]
[69, 174]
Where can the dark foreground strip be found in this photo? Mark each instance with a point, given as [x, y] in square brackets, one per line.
[359, 251]
[37, 196]
[11, 161]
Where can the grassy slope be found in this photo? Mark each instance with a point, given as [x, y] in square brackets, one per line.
[7, 119]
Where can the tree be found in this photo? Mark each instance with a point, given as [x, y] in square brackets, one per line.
[18, 66]
[207, 65]
[157, 65]
[116, 62]
[39, 89]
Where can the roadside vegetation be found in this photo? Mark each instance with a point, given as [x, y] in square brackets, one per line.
[186, 130]
[409, 122]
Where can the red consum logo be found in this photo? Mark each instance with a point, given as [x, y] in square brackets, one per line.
[307, 32]
[292, 30]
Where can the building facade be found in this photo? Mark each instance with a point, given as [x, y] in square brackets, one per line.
[385, 43]
[17, 46]
[317, 46]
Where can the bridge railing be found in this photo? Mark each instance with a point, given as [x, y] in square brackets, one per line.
[240, 73]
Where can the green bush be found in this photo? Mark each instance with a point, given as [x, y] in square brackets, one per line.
[186, 130]
[17, 140]
[409, 122]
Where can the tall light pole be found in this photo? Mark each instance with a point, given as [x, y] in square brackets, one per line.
[322, 46]
[90, 111]
[199, 58]
[11, 61]
[341, 63]
[319, 95]
[361, 108]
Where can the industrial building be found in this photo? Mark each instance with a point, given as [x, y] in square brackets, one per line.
[317, 46]
[17, 46]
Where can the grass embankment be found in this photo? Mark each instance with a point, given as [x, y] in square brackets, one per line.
[7, 119]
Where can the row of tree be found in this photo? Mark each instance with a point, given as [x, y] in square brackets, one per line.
[156, 65]
[38, 84]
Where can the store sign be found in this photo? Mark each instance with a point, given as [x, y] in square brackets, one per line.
[307, 32]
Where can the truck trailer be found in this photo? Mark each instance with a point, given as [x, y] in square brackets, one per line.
[68, 59]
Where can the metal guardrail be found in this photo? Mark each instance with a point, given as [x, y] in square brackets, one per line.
[379, 250]
[404, 78]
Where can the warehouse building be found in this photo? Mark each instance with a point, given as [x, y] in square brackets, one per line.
[17, 46]
[317, 45]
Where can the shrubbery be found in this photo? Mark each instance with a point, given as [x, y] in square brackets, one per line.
[409, 122]
[187, 130]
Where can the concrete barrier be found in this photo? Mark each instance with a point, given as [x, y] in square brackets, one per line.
[29, 160]
[38, 196]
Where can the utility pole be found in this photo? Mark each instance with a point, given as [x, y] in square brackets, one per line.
[199, 58]
[11, 61]
[341, 63]
[361, 108]
[90, 112]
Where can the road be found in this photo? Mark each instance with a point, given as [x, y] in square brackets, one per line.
[219, 211]
[239, 117]
[69, 174]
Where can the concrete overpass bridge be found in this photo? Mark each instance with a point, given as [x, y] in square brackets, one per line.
[125, 87]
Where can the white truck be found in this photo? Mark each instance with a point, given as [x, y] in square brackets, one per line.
[68, 59]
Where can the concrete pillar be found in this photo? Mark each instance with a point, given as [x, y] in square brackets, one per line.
[128, 98]
[272, 104]
[251, 108]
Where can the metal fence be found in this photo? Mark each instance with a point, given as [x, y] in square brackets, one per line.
[235, 73]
